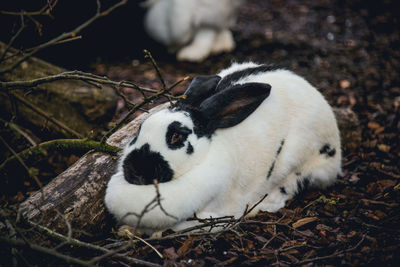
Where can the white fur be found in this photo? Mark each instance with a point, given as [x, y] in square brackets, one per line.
[228, 172]
[197, 27]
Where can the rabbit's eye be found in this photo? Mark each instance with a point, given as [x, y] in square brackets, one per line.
[177, 135]
[176, 140]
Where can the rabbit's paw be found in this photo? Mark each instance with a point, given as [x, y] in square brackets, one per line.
[223, 43]
[193, 53]
[273, 202]
[156, 235]
[127, 231]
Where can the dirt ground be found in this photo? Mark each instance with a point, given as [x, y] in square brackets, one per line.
[349, 51]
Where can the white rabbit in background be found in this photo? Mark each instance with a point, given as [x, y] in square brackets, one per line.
[251, 130]
[197, 27]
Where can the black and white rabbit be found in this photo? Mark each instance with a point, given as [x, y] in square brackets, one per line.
[197, 27]
[251, 130]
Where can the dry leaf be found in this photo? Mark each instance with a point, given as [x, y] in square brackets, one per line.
[384, 148]
[170, 253]
[379, 130]
[304, 221]
[373, 125]
[185, 247]
[344, 84]
[354, 178]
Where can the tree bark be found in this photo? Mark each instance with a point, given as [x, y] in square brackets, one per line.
[80, 106]
[78, 192]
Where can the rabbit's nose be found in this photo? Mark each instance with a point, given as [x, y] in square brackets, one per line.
[142, 166]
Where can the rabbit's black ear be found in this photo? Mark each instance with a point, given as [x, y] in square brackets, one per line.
[199, 89]
[231, 106]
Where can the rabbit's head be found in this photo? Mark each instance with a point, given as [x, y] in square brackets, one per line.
[173, 141]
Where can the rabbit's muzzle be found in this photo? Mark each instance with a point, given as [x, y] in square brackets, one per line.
[142, 166]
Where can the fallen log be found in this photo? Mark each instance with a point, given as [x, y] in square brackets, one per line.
[77, 194]
[80, 106]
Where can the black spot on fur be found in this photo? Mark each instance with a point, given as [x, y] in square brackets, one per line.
[280, 147]
[303, 184]
[196, 117]
[189, 149]
[298, 173]
[271, 169]
[136, 136]
[236, 76]
[283, 190]
[142, 166]
[176, 135]
[324, 149]
[327, 150]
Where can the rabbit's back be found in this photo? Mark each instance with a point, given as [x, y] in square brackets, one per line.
[291, 139]
[174, 22]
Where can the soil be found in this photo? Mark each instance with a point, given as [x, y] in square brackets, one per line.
[349, 51]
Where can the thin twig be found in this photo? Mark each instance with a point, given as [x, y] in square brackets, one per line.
[79, 243]
[59, 42]
[18, 157]
[148, 55]
[155, 65]
[71, 75]
[44, 11]
[334, 255]
[132, 235]
[10, 43]
[132, 111]
[17, 128]
[48, 251]
[148, 244]
[126, 100]
[158, 198]
[64, 36]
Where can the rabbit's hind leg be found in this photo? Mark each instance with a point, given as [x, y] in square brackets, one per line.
[200, 47]
[321, 172]
[278, 196]
[223, 42]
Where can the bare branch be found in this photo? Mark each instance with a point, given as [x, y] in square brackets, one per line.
[79, 243]
[44, 250]
[158, 198]
[132, 111]
[21, 28]
[17, 128]
[18, 157]
[44, 11]
[64, 36]
[148, 55]
[71, 75]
